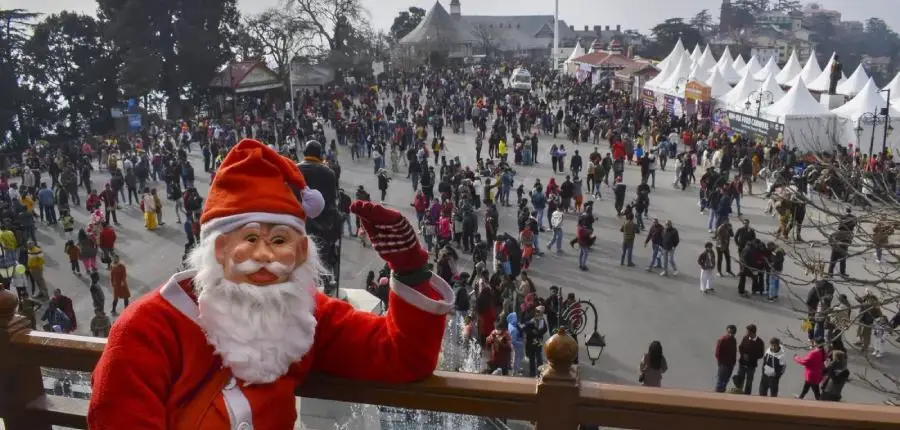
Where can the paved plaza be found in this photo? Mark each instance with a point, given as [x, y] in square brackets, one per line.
[635, 306]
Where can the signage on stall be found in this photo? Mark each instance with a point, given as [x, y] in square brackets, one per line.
[696, 91]
[134, 121]
[750, 125]
[648, 98]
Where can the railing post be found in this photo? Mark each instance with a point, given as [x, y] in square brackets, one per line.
[19, 383]
[558, 388]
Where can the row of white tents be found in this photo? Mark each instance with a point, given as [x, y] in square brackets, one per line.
[757, 90]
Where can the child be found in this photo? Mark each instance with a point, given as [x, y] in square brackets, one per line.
[879, 334]
[96, 293]
[74, 254]
[68, 224]
[520, 191]
[28, 202]
[363, 237]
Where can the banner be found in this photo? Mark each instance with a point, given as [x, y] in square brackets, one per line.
[749, 126]
[696, 91]
[648, 98]
[134, 121]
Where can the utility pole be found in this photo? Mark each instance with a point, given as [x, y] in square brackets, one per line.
[553, 64]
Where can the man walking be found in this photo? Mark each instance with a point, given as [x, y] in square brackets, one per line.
[628, 230]
[654, 236]
[723, 235]
[670, 241]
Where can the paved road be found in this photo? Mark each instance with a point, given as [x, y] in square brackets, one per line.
[635, 306]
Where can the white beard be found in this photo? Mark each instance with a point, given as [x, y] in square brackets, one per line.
[258, 331]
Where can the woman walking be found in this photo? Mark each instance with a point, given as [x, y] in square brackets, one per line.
[836, 375]
[653, 365]
[813, 368]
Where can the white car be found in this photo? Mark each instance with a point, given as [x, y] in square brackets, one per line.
[520, 79]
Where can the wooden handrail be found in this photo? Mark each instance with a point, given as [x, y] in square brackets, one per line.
[559, 400]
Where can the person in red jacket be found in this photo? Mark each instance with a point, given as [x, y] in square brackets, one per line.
[618, 150]
[726, 357]
[813, 369]
[226, 343]
[107, 243]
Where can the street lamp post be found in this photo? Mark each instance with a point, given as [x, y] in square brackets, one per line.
[887, 120]
[875, 119]
[573, 319]
[760, 95]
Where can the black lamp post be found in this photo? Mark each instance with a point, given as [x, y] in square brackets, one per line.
[758, 96]
[573, 319]
[874, 119]
[678, 84]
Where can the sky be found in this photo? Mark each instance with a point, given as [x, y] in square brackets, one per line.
[631, 14]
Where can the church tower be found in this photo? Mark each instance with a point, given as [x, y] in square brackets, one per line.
[454, 9]
[725, 17]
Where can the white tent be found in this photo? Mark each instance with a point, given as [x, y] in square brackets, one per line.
[738, 64]
[738, 96]
[696, 53]
[752, 67]
[790, 70]
[771, 85]
[868, 100]
[699, 74]
[673, 56]
[679, 75]
[726, 56]
[797, 101]
[854, 83]
[717, 84]
[664, 73]
[821, 83]
[851, 121]
[894, 86]
[706, 60]
[811, 70]
[724, 66]
[808, 126]
[576, 52]
[770, 69]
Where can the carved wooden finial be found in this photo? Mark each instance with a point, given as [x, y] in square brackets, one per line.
[561, 350]
[8, 303]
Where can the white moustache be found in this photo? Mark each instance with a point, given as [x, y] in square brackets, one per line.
[250, 267]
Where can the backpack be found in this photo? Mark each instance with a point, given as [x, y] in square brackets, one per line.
[445, 227]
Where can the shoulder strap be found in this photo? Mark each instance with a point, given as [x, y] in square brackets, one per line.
[190, 415]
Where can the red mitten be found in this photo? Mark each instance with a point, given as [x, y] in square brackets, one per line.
[392, 236]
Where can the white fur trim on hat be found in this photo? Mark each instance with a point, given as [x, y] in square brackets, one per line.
[234, 222]
[313, 202]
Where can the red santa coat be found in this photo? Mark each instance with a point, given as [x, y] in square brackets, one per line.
[157, 357]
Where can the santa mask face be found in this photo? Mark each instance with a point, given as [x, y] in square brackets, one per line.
[256, 293]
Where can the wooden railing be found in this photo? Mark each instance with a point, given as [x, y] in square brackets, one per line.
[557, 401]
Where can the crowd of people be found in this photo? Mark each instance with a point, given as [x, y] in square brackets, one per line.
[399, 125]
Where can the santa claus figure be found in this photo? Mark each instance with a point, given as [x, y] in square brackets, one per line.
[225, 344]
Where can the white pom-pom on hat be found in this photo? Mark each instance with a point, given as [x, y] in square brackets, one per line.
[313, 202]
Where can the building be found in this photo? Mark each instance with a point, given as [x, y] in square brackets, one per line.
[766, 42]
[624, 69]
[880, 65]
[813, 9]
[506, 35]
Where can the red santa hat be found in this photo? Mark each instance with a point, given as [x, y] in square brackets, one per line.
[256, 184]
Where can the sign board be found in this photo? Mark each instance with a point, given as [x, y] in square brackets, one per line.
[749, 125]
[116, 113]
[377, 68]
[134, 121]
[696, 91]
[648, 98]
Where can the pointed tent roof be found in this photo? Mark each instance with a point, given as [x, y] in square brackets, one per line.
[752, 66]
[674, 56]
[741, 92]
[854, 83]
[717, 84]
[738, 64]
[770, 69]
[791, 69]
[664, 73]
[438, 26]
[811, 70]
[797, 101]
[706, 60]
[695, 54]
[894, 86]
[725, 68]
[868, 100]
[771, 85]
[576, 52]
[699, 74]
[681, 71]
[821, 82]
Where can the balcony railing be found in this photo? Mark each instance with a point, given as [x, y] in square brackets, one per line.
[558, 400]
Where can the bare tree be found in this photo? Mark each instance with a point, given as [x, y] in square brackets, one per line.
[282, 35]
[488, 41]
[331, 20]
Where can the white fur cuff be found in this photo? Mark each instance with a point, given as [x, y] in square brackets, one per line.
[423, 302]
